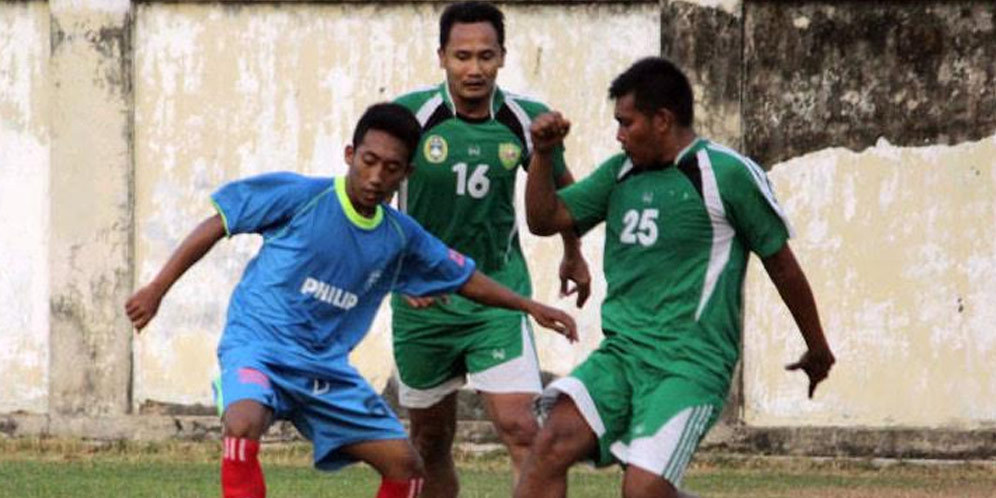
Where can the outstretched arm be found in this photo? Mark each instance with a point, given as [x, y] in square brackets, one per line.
[546, 214]
[142, 306]
[482, 289]
[573, 267]
[789, 279]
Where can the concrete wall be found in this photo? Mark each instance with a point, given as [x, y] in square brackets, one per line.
[879, 125]
[25, 138]
[211, 107]
[119, 119]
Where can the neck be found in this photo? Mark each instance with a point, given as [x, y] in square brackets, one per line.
[366, 212]
[478, 108]
[678, 141]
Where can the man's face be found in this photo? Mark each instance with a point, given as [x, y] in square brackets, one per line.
[471, 58]
[376, 168]
[639, 134]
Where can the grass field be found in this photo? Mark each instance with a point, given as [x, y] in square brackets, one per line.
[43, 468]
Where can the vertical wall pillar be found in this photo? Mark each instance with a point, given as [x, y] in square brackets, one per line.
[705, 39]
[91, 215]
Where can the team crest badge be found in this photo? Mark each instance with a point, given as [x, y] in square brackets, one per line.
[509, 154]
[435, 149]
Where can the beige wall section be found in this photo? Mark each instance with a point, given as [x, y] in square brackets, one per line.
[900, 248]
[24, 206]
[91, 212]
[222, 93]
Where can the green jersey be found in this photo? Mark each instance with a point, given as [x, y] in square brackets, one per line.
[677, 239]
[462, 190]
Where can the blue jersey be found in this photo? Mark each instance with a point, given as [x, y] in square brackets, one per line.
[308, 297]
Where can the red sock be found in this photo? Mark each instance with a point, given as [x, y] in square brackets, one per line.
[400, 489]
[241, 475]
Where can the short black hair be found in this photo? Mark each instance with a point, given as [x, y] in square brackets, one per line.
[392, 119]
[470, 13]
[656, 83]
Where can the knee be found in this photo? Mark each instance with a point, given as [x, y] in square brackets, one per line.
[554, 449]
[245, 420]
[241, 427]
[519, 430]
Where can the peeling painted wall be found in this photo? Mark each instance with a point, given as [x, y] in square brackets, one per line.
[898, 240]
[824, 74]
[91, 212]
[119, 119]
[225, 92]
[898, 245]
[24, 206]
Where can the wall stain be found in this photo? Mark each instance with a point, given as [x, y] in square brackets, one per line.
[822, 74]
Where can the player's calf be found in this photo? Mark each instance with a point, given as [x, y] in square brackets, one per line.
[241, 474]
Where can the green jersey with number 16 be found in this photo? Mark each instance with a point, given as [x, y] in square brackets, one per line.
[462, 190]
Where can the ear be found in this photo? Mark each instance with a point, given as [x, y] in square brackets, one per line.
[663, 120]
[501, 59]
[441, 54]
[348, 155]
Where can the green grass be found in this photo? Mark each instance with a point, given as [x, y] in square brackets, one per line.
[42, 468]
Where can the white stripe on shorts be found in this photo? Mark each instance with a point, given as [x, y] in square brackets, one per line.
[578, 393]
[409, 397]
[520, 375]
[668, 452]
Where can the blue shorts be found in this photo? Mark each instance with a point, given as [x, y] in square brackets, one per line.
[332, 412]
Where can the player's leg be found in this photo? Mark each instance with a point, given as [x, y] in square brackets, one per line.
[564, 439]
[245, 397]
[514, 422]
[429, 357]
[402, 474]
[670, 417]
[504, 370]
[639, 483]
[432, 431]
[586, 415]
[347, 421]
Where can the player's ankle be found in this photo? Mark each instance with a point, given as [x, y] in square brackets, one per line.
[408, 488]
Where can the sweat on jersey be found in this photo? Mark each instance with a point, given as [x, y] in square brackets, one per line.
[462, 189]
[308, 297]
[677, 239]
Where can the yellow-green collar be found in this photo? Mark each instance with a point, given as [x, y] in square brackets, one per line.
[347, 207]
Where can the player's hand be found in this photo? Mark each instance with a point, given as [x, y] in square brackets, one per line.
[555, 319]
[548, 131]
[575, 269]
[816, 363]
[143, 305]
[425, 301]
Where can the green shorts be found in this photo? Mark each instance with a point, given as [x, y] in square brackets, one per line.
[496, 356]
[641, 416]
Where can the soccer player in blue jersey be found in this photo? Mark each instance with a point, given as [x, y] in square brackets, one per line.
[332, 250]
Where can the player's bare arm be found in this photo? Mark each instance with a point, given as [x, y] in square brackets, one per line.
[482, 289]
[142, 306]
[573, 267]
[545, 213]
[792, 285]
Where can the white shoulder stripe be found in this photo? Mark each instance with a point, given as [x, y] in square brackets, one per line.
[524, 120]
[429, 107]
[519, 96]
[628, 165]
[722, 232]
[760, 179]
[420, 89]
